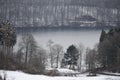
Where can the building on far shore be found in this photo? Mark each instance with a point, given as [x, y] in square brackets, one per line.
[84, 21]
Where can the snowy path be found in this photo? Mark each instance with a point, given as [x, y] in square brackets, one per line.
[16, 75]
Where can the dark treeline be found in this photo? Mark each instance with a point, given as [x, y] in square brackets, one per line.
[7, 41]
[28, 58]
[57, 12]
[106, 55]
[109, 50]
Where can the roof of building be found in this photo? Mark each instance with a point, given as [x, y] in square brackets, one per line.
[85, 18]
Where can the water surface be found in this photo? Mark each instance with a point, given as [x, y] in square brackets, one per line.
[67, 37]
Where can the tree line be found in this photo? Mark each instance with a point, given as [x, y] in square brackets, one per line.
[32, 58]
[29, 56]
[105, 56]
[109, 50]
[29, 13]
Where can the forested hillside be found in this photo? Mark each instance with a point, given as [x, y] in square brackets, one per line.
[29, 13]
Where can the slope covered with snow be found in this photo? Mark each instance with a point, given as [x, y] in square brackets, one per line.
[17, 75]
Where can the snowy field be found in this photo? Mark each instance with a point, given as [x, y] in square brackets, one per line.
[17, 75]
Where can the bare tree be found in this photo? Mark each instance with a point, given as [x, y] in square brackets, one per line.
[80, 50]
[34, 57]
[38, 61]
[29, 47]
[19, 55]
[57, 50]
[42, 57]
[50, 43]
[91, 60]
[86, 60]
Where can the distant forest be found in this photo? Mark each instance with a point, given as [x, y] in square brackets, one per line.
[29, 13]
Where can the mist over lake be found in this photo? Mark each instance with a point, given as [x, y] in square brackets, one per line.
[66, 37]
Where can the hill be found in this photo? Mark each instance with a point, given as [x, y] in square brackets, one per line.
[31, 13]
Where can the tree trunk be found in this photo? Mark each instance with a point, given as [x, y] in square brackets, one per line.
[51, 60]
[31, 53]
[80, 62]
[70, 66]
[57, 59]
[4, 53]
[26, 56]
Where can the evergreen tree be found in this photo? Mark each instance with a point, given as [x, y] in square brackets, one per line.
[71, 56]
[103, 34]
[109, 50]
[7, 40]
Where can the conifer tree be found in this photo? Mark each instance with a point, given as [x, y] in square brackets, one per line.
[71, 56]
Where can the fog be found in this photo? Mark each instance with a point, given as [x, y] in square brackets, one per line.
[66, 38]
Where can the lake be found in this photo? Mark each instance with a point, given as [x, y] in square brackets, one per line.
[66, 37]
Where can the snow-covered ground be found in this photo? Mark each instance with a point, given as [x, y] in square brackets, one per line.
[18, 75]
[63, 70]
